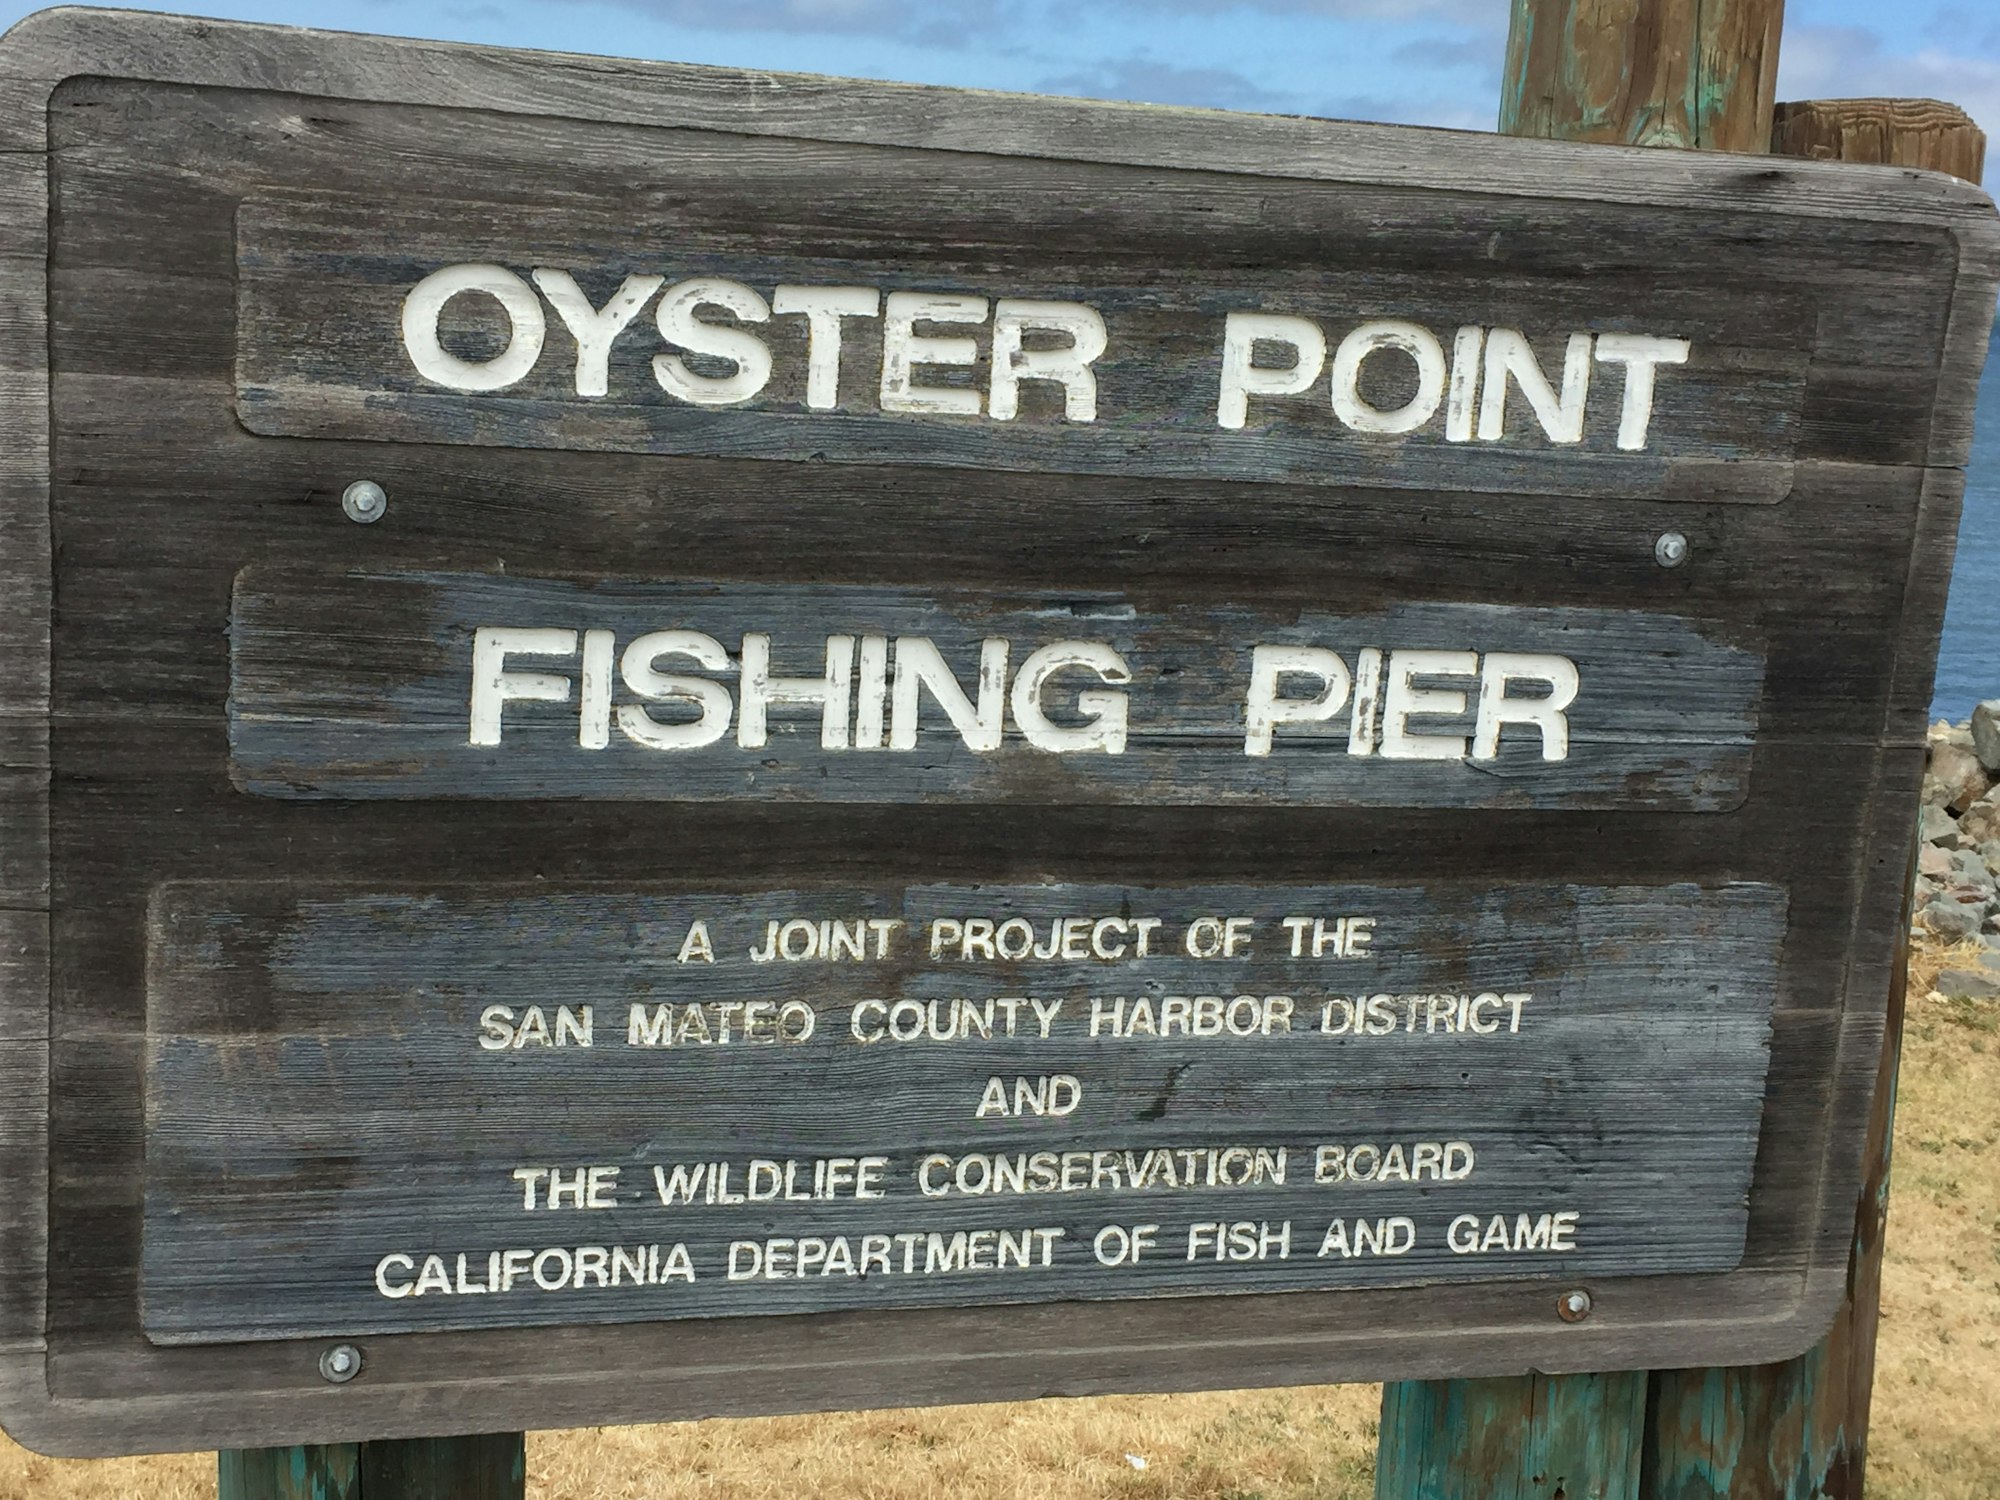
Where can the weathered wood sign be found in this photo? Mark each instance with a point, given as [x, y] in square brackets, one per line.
[686, 742]
[854, 695]
[1097, 1092]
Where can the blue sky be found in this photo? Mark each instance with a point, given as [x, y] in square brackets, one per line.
[1431, 62]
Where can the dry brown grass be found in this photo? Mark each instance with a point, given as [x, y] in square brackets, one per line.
[1317, 1442]
[1936, 1424]
[1937, 1392]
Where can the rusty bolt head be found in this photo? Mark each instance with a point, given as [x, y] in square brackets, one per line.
[1573, 1306]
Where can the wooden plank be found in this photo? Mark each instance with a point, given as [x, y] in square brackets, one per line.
[322, 333]
[24, 1113]
[25, 595]
[24, 818]
[51, 47]
[357, 685]
[315, 1140]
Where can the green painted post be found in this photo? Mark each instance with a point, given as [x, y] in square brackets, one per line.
[1691, 73]
[1710, 1432]
[1535, 1437]
[492, 1467]
[328, 1471]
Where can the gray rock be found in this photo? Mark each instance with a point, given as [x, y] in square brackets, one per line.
[1957, 770]
[1969, 869]
[1952, 919]
[1980, 821]
[1990, 852]
[1986, 733]
[1937, 826]
[1975, 898]
[1981, 983]
[1934, 863]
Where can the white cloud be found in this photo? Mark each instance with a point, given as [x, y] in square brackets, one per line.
[1146, 81]
[1468, 12]
[1461, 110]
[935, 22]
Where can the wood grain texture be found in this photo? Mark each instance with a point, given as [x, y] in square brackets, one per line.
[318, 1096]
[357, 685]
[24, 1114]
[487, 1466]
[322, 286]
[1796, 1428]
[1926, 133]
[1686, 73]
[1537, 1437]
[330, 1471]
[163, 498]
[66, 43]
[492, 1466]
[1773, 1432]
[1800, 1428]
[25, 593]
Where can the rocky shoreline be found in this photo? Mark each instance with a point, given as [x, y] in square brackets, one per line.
[1958, 849]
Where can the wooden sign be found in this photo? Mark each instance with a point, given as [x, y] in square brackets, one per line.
[684, 742]
[847, 694]
[945, 1095]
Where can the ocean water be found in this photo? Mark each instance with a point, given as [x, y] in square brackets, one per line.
[1969, 659]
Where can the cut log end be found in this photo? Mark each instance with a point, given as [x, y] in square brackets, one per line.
[1924, 133]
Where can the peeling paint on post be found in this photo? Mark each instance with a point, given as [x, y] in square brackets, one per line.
[324, 1471]
[489, 1467]
[1795, 1430]
[1688, 73]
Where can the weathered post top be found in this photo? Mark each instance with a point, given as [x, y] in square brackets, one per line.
[685, 741]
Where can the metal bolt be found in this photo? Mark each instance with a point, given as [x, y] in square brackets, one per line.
[340, 1364]
[364, 501]
[1670, 551]
[1573, 1307]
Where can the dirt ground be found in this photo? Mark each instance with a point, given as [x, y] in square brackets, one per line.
[1937, 1393]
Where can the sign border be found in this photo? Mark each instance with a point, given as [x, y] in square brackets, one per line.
[828, 1361]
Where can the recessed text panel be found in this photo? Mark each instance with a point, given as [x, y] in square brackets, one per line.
[403, 1111]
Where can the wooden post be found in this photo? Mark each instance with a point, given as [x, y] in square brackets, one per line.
[1697, 73]
[1716, 1432]
[328, 1471]
[1512, 1439]
[1900, 132]
[1693, 73]
[493, 1467]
